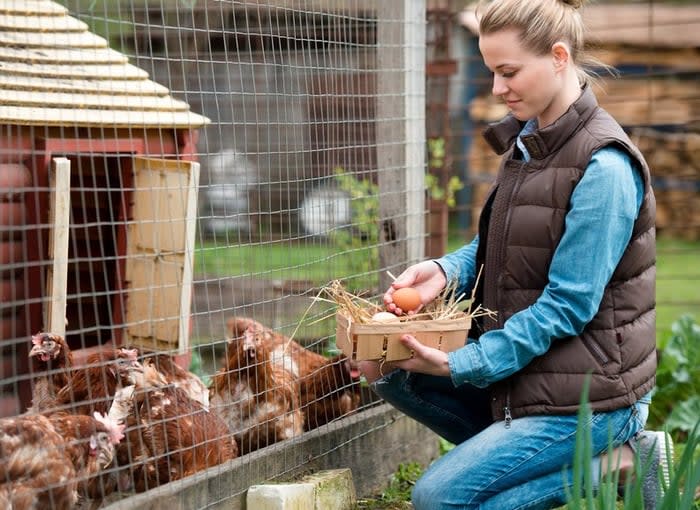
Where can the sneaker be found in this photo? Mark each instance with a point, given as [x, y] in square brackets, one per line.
[653, 449]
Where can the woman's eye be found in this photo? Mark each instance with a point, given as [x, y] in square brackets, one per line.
[508, 74]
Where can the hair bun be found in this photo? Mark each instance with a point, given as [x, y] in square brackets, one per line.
[573, 3]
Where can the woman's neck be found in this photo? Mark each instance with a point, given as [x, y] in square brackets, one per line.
[571, 91]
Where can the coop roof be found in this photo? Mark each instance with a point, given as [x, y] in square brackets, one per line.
[658, 26]
[55, 72]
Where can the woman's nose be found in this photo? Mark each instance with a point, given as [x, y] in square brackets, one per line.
[499, 87]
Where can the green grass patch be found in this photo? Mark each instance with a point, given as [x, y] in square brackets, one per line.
[677, 282]
[317, 263]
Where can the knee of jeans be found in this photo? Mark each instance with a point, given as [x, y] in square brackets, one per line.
[423, 496]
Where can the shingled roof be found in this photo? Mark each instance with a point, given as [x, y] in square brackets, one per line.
[54, 72]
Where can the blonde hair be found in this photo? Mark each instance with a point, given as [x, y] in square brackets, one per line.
[541, 24]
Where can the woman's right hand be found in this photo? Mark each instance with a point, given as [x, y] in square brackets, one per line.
[426, 277]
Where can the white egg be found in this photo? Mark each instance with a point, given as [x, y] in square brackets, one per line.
[384, 317]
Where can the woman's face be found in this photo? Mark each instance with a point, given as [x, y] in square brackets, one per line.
[529, 84]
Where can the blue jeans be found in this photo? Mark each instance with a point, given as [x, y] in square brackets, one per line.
[493, 467]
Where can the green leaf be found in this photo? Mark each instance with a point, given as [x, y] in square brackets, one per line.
[685, 415]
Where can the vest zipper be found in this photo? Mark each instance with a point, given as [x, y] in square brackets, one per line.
[500, 209]
[598, 351]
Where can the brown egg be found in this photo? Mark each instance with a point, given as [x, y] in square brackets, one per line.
[408, 299]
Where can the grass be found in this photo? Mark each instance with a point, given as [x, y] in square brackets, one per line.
[677, 281]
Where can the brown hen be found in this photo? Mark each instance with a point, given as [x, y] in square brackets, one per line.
[92, 387]
[169, 435]
[177, 376]
[257, 398]
[329, 386]
[328, 393]
[49, 461]
[51, 363]
[284, 351]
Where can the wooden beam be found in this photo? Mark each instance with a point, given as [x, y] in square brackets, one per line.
[401, 133]
[59, 218]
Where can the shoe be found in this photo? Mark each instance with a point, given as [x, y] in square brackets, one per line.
[653, 449]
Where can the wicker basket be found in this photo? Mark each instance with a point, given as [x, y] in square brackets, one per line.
[380, 341]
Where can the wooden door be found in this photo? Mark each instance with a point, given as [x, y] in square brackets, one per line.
[160, 251]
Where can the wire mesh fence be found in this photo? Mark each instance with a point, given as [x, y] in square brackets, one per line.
[179, 181]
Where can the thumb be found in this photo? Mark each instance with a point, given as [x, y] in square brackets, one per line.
[405, 279]
[411, 342]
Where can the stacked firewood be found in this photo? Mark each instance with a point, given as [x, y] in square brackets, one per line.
[674, 159]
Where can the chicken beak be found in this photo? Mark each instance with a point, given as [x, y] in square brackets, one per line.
[250, 352]
[40, 352]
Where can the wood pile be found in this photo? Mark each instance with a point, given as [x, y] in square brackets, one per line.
[671, 146]
[674, 159]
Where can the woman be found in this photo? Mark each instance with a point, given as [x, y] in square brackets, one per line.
[567, 250]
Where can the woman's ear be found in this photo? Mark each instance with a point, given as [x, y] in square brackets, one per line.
[560, 54]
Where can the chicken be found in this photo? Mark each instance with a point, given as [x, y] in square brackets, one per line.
[329, 387]
[169, 435]
[51, 363]
[258, 399]
[178, 376]
[328, 393]
[92, 387]
[49, 461]
[283, 350]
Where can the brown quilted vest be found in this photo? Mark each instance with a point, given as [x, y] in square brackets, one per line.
[528, 208]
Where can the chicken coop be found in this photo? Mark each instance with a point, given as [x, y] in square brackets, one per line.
[98, 180]
[156, 325]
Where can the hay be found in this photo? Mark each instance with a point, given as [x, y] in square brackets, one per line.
[360, 310]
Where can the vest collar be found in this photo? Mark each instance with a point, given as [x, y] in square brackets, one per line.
[501, 135]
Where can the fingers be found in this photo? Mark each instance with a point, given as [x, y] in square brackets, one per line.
[423, 359]
[412, 343]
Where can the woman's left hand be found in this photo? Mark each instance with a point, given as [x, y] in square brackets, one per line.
[425, 360]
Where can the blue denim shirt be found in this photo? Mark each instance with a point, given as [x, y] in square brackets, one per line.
[604, 206]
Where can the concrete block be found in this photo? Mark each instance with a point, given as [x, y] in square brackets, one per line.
[281, 496]
[325, 490]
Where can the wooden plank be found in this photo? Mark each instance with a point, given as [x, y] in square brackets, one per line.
[160, 248]
[41, 23]
[672, 59]
[639, 25]
[23, 115]
[400, 129]
[91, 101]
[32, 7]
[95, 72]
[59, 214]
[187, 287]
[52, 40]
[121, 87]
[97, 56]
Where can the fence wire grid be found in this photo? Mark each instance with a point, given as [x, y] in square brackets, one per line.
[181, 180]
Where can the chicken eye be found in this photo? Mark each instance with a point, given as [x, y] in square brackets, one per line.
[103, 438]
